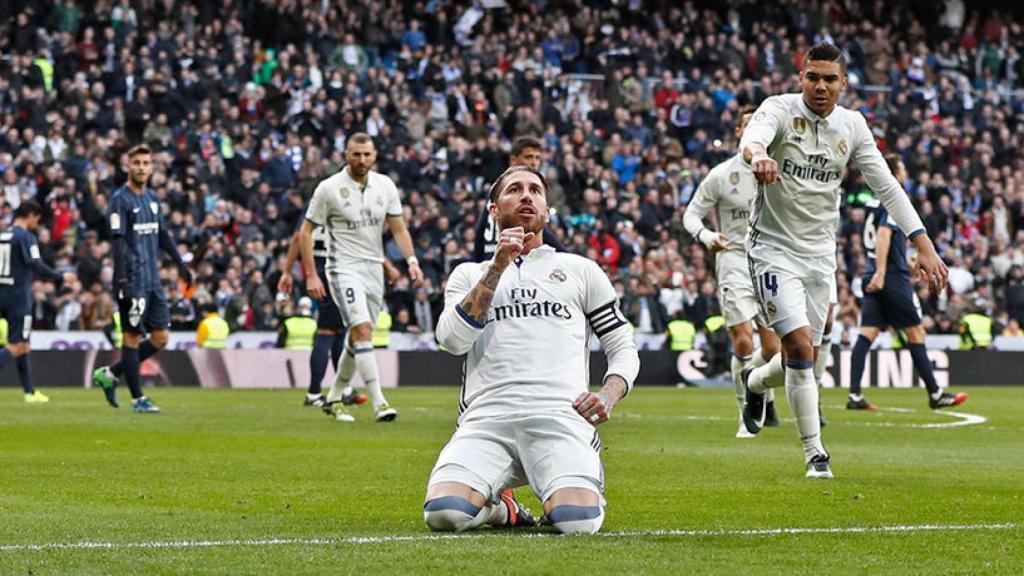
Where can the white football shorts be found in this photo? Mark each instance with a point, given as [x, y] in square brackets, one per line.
[547, 451]
[793, 290]
[735, 290]
[358, 290]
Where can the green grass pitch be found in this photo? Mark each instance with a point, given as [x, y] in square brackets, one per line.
[257, 478]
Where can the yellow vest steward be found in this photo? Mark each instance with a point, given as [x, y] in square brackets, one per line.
[47, 69]
[682, 333]
[382, 331]
[301, 332]
[118, 334]
[217, 331]
[3, 331]
[975, 331]
[713, 323]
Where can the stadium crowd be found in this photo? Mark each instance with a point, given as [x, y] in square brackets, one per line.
[247, 105]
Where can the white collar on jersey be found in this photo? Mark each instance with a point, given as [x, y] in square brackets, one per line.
[540, 251]
[812, 115]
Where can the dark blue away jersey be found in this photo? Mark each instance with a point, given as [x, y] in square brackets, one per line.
[876, 217]
[137, 219]
[19, 255]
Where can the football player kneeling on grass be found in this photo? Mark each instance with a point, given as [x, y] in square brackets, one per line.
[523, 319]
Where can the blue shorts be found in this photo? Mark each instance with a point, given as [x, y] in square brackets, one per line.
[329, 317]
[147, 312]
[896, 305]
[16, 308]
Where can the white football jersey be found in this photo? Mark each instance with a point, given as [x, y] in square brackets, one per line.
[800, 212]
[532, 354]
[354, 216]
[729, 190]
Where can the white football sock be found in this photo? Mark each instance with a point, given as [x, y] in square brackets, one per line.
[738, 363]
[821, 364]
[346, 369]
[802, 392]
[767, 376]
[366, 363]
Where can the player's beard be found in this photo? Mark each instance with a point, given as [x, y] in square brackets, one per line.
[139, 181]
[529, 223]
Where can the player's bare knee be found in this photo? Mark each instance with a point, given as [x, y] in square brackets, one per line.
[361, 333]
[915, 334]
[742, 336]
[797, 345]
[159, 339]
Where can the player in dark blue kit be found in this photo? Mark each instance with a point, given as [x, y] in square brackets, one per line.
[329, 342]
[19, 262]
[526, 151]
[139, 233]
[890, 301]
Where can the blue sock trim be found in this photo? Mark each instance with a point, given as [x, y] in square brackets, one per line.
[451, 503]
[363, 347]
[800, 364]
[571, 513]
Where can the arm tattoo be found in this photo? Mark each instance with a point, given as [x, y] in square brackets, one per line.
[614, 389]
[478, 301]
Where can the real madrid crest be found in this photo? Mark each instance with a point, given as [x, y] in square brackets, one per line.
[799, 124]
[344, 192]
[770, 309]
[380, 201]
[842, 148]
[557, 275]
[734, 178]
[760, 116]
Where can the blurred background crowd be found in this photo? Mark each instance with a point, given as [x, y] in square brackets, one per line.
[247, 105]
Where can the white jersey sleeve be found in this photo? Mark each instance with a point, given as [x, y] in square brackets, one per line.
[880, 179]
[319, 208]
[610, 326]
[765, 125]
[394, 206]
[702, 202]
[456, 330]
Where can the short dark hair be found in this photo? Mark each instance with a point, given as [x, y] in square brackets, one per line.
[137, 150]
[746, 110]
[360, 138]
[496, 187]
[28, 208]
[826, 52]
[893, 160]
[521, 144]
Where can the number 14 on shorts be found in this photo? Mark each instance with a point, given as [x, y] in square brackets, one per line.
[771, 283]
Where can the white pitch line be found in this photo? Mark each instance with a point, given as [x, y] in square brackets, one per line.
[184, 544]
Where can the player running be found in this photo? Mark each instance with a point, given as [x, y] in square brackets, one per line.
[139, 234]
[526, 151]
[353, 205]
[890, 301]
[799, 146]
[526, 416]
[19, 261]
[729, 189]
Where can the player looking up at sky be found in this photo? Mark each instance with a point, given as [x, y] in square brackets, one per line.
[526, 415]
